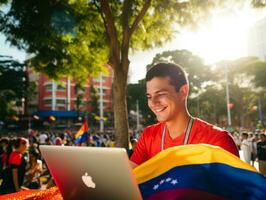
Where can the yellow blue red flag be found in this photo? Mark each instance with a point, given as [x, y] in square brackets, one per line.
[199, 172]
[82, 134]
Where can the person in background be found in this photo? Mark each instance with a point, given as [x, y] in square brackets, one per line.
[237, 139]
[133, 143]
[167, 89]
[58, 141]
[16, 166]
[42, 138]
[246, 147]
[5, 151]
[253, 139]
[48, 141]
[261, 150]
[34, 170]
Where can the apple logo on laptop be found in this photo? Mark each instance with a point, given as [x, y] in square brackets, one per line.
[87, 180]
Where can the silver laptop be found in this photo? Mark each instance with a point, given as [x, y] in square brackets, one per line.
[91, 172]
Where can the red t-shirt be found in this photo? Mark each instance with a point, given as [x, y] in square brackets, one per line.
[15, 158]
[150, 140]
[17, 161]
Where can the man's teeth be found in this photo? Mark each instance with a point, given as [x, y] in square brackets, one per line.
[159, 110]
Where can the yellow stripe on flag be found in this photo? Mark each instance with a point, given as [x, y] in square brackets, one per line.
[187, 155]
[83, 129]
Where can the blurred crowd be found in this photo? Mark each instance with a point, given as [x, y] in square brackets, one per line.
[21, 164]
[22, 167]
[253, 147]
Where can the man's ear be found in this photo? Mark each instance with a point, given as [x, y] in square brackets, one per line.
[184, 90]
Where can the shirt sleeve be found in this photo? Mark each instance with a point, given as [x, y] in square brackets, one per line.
[140, 152]
[225, 141]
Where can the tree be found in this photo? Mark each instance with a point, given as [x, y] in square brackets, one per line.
[93, 103]
[93, 32]
[12, 85]
[246, 86]
[6, 107]
[135, 92]
[209, 105]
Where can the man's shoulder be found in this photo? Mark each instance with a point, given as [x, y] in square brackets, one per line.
[208, 127]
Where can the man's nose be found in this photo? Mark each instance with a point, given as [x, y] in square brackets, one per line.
[154, 101]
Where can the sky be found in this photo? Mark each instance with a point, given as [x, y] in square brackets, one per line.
[7, 50]
[223, 36]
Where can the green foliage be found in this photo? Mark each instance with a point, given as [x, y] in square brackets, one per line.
[258, 3]
[136, 92]
[260, 72]
[6, 104]
[157, 26]
[250, 67]
[12, 84]
[9, 69]
[68, 37]
[245, 86]
[93, 103]
[60, 35]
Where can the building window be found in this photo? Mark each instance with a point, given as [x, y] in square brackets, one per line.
[61, 88]
[61, 101]
[48, 101]
[48, 87]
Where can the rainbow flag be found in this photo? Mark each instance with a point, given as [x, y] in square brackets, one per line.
[199, 172]
[82, 134]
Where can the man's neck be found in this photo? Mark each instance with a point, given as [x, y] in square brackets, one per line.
[178, 126]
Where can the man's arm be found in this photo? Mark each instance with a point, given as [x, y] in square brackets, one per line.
[15, 179]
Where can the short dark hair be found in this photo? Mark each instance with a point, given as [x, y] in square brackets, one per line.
[175, 72]
[245, 134]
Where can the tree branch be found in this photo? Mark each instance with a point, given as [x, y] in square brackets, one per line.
[101, 13]
[111, 32]
[126, 35]
[140, 16]
[125, 14]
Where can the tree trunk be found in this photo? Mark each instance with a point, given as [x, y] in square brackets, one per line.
[118, 59]
[120, 107]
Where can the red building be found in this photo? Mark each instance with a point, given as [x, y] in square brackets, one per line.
[66, 98]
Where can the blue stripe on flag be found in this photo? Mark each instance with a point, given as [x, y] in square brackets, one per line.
[216, 178]
[83, 138]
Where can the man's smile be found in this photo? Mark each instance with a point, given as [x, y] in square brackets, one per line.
[158, 110]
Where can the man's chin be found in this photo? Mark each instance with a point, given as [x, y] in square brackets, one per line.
[161, 120]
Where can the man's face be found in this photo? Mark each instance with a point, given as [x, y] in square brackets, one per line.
[163, 99]
[24, 146]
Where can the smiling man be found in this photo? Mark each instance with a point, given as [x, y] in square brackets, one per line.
[167, 91]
